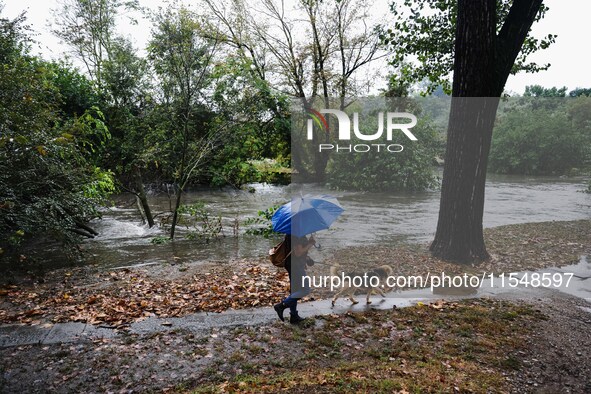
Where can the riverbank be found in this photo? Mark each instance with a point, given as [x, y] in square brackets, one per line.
[117, 298]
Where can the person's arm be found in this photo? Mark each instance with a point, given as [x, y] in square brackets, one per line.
[301, 249]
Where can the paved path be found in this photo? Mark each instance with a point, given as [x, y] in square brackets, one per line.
[17, 335]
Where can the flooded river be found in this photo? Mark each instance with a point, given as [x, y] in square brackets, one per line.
[368, 218]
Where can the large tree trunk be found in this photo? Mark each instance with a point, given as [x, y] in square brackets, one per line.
[459, 234]
[482, 65]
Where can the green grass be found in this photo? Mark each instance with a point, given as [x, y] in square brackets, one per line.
[469, 345]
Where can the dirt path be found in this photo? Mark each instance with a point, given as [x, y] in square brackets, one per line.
[556, 358]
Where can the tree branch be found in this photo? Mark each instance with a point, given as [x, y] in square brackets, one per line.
[512, 36]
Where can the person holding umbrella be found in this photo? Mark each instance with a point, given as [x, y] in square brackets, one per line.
[295, 264]
[298, 218]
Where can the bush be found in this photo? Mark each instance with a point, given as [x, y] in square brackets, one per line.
[412, 169]
[48, 183]
[263, 220]
[201, 223]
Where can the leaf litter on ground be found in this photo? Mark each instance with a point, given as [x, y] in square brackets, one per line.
[121, 297]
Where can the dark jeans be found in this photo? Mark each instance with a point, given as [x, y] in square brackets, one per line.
[292, 303]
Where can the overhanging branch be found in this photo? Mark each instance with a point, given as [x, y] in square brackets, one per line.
[512, 36]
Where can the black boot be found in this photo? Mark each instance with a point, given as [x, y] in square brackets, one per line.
[295, 318]
[279, 308]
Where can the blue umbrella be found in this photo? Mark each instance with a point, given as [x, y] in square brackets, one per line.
[306, 215]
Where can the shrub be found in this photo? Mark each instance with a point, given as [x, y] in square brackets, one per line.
[412, 169]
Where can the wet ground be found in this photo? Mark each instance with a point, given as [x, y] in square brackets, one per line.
[575, 281]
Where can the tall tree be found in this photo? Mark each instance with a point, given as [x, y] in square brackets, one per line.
[540, 91]
[127, 104]
[483, 60]
[88, 27]
[183, 61]
[579, 92]
[309, 49]
[425, 30]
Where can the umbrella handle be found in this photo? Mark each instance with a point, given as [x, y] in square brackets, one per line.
[316, 245]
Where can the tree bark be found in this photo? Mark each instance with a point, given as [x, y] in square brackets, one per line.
[141, 195]
[459, 236]
[320, 54]
[175, 216]
[483, 63]
[181, 177]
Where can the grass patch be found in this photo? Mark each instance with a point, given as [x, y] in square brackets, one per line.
[467, 345]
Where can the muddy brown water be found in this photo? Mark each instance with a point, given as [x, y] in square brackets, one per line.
[368, 218]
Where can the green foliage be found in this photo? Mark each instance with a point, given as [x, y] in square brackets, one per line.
[77, 92]
[89, 131]
[425, 29]
[47, 183]
[263, 128]
[203, 224]
[540, 91]
[120, 80]
[14, 38]
[128, 108]
[125, 76]
[182, 59]
[234, 171]
[412, 169]
[100, 184]
[88, 27]
[542, 136]
[272, 171]
[185, 130]
[179, 56]
[580, 92]
[263, 220]
[160, 240]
